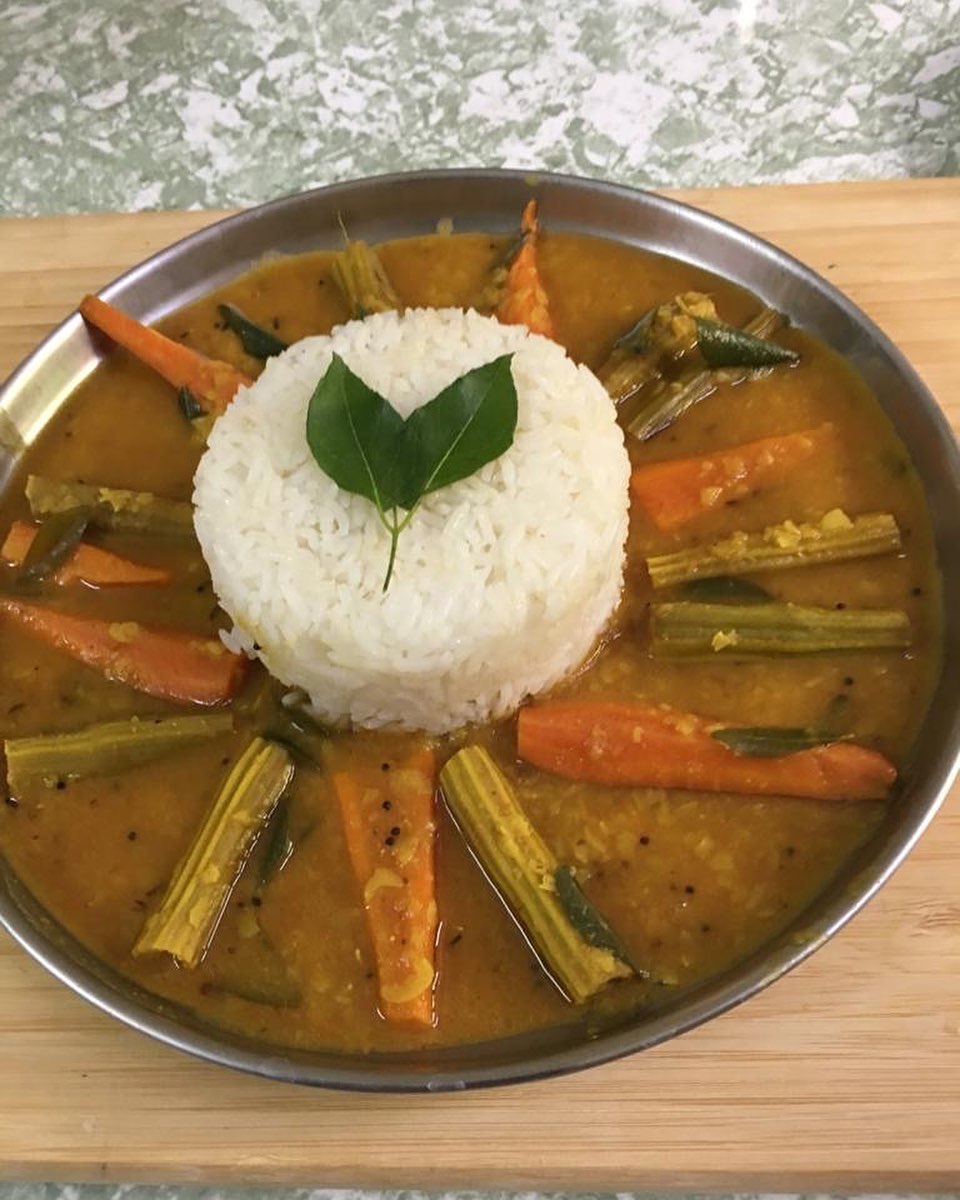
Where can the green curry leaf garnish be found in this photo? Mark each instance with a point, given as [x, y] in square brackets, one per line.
[278, 843]
[256, 341]
[54, 542]
[365, 446]
[724, 589]
[726, 346]
[770, 742]
[638, 336]
[591, 926]
[189, 405]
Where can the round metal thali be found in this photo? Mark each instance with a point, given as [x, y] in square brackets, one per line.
[406, 205]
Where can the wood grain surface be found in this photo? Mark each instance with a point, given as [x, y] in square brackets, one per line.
[845, 1075]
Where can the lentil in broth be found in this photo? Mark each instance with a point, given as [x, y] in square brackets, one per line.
[691, 882]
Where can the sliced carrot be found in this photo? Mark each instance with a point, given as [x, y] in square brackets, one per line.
[675, 492]
[213, 382]
[87, 564]
[390, 827]
[165, 663]
[525, 300]
[645, 745]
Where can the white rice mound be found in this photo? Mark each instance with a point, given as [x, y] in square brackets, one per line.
[503, 581]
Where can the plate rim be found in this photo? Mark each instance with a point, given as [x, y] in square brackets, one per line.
[743, 980]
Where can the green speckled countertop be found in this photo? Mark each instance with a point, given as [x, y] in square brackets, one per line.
[124, 105]
[120, 105]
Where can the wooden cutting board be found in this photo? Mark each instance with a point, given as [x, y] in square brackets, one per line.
[843, 1076]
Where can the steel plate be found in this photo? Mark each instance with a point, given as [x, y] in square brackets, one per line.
[402, 205]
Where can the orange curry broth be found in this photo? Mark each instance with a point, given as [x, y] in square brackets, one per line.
[691, 883]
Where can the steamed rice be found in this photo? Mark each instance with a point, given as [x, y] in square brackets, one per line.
[503, 581]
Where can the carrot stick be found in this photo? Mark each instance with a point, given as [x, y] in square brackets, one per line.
[87, 564]
[675, 492]
[388, 819]
[646, 745]
[213, 382]
[525, 300]
[165, 663]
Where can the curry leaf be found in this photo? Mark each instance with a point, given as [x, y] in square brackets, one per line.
[367, 448]
[770, 742]
[355, 435]
[278, 845]
[637, 337]
[591, 926]
[53, 543]
[190, 406]
[257, 341]
[724, 589]
[726, 346]
[469, 424]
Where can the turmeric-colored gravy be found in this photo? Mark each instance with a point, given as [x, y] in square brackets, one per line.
[690, 882]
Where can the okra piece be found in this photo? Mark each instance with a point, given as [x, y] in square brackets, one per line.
[190, 911]
[668, 330]
[525, 872]
[360, 276]
[112, 508]
[683, 628]
[833, 538]
[671, 398]
[106, 748]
